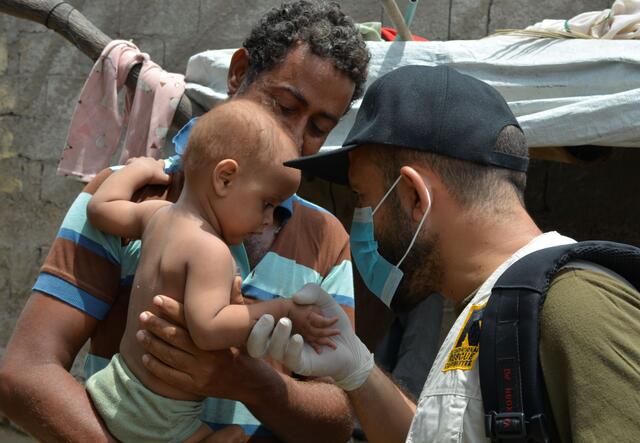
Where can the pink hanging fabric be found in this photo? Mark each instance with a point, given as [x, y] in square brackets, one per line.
[97, 121]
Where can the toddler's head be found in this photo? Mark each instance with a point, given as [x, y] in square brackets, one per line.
[233, 164]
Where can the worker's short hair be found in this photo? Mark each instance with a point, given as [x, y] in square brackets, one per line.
[323, 26]
[471, 184]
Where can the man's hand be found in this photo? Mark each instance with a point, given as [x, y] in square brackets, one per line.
[349, 364]
[293, 410]
[175, 359]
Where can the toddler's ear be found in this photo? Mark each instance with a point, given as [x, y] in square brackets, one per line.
[223, 175]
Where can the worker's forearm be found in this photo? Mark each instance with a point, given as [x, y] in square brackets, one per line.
[303, 410]
[50, 404]
[385, 413]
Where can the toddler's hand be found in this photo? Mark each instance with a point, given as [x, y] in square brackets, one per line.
[236, 291]
[314, 327]
[151, 168]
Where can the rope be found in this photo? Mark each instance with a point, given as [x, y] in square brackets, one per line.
[46, 21]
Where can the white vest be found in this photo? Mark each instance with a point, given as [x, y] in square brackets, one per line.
[450, 406]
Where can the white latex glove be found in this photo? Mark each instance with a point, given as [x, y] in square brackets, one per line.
[349, 364]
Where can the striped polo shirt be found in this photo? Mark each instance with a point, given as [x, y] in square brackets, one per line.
[93, 272]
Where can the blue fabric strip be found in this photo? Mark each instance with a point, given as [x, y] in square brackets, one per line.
[93, 364]
[181, 139]
[68, 293]
[306, 203]
[261, 294]
[288, 204]
[86, 243]
[276, 274]
[258, 293]
[343, 300]
[242, 260]
[340, 280]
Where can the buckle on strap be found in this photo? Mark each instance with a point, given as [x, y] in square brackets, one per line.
[505, 425]
[514, 425]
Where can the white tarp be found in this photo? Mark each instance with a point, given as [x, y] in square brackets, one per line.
[564, 92]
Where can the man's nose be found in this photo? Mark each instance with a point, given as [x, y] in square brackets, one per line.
[296, 129]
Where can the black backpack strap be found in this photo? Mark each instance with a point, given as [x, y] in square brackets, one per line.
[510, 374]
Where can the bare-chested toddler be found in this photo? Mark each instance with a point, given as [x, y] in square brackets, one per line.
[234, 178]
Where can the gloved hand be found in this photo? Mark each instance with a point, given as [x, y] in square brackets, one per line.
[349, 364]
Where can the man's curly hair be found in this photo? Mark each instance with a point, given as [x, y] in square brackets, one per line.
[323, 26]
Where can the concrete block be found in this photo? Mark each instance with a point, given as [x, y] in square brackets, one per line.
[19, 184]
[62, 95]
[522, 13]
[227, 24]
[70, 61]
[58, 190]
[8, 94]
[32, 97]
[431, 19]
[22, 271]
[41, 138]
[45, 53]
[9, 57]
[22, 25]
[4, 281]
[8, 127]
[180, 48]
[468, 19]
[22, 95]
[159, 17]
[362, 10]
[104, 15]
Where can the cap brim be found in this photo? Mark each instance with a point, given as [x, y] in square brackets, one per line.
[331, 165]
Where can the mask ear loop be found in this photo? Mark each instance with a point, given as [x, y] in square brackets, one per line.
[384, 197]
[415, 236]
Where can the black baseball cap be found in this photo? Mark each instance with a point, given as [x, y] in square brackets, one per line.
[426, 108]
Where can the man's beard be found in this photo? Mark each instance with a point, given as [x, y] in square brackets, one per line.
[422, 267]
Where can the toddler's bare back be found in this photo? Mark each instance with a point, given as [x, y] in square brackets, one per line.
[162, 270]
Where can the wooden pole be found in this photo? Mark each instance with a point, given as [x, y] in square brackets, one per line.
[392, 10]
[67, 21]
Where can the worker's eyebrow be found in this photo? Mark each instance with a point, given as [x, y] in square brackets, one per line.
[301, 98]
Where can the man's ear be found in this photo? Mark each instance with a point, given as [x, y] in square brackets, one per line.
[238, 69]
[418, 194]
[223, 176]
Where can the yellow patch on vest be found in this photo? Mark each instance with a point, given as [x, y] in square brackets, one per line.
[465, 351]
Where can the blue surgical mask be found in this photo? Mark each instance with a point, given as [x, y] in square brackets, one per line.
[381, 277]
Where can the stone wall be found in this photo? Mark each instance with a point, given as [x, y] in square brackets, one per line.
[41, 75]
